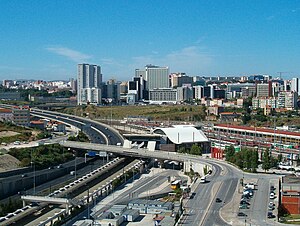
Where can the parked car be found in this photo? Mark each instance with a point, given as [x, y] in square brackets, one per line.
[271, 208]
[244, 206]
[270, 215]
[242, 202]
[241, 214]
[17, 142]
[272, 188]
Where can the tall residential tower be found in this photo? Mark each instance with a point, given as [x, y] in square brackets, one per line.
[89, 84]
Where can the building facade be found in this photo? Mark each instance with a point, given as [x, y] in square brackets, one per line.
[21, 115]
[290, 196]
[295, 85]
[156, 77]
[89, 82]
[263, 90]
[160, 96]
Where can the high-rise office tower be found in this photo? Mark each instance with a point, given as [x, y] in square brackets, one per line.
[89, 84]
[156, 77]
[295, 85]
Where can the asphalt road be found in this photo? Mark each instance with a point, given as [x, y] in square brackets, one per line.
[98, 133]
[201, 209]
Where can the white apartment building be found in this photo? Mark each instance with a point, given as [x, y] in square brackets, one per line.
[286, 100]
[198, 92]
[295, 85]
[89, 84]
[90, 95]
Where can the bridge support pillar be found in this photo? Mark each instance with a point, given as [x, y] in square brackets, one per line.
[24, 203]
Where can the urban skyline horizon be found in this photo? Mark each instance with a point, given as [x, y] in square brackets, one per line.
[283, 76]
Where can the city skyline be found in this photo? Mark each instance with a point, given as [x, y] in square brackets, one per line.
[47, 40]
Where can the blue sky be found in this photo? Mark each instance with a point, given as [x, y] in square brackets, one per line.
[46, 39]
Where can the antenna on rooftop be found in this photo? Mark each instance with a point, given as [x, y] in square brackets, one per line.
[282, 72]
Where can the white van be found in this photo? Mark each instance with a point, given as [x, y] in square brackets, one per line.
[203, 179]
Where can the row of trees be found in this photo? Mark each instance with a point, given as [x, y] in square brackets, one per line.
[269, 161]
[42, 156]
[246, 159]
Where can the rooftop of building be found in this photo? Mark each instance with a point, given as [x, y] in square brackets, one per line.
[21, 107]
[4, 110]
[37, 122]
[156, 203]
[229, 113]
[291, 179]
[258, 129]
[179, 134]
[130, 212]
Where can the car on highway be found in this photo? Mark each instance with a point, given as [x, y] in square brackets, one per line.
[192, 195]
[241, 214]
[59, 166]
[218, 200]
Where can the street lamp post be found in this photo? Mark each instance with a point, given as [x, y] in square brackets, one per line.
[75, 167]
[33, 177]
[88, 204]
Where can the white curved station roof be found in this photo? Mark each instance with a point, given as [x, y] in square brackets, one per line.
[179, 134]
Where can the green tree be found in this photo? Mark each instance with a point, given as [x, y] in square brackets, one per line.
[254, 161]
[182, 150]
[239, 160]
[195, 150]
[279, 157]
[229, 153]
[266, 158]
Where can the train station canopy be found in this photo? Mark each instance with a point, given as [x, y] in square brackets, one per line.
[180, 134]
